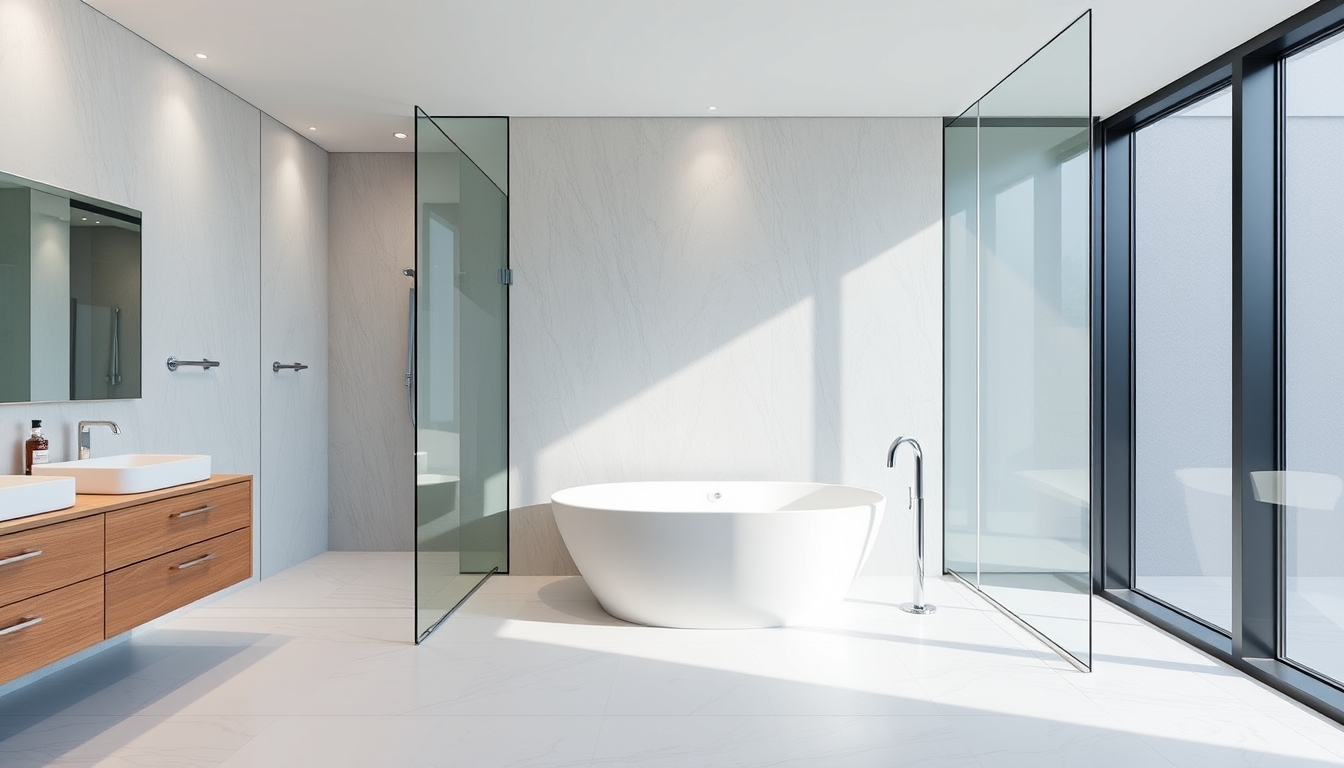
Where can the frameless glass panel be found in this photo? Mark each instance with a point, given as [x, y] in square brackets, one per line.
[1018, 343]
[461, 323]
[961, 281]
[1183, 359]
[1309, 489]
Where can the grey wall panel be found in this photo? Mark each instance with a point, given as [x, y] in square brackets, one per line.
[372, 237]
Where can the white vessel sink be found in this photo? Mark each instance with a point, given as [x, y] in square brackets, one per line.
[21, 496]
[130, 473]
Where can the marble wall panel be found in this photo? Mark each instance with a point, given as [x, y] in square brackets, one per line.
[727, 299]
[372, 236]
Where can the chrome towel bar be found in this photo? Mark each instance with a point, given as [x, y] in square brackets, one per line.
[173, 363]
[278, 367]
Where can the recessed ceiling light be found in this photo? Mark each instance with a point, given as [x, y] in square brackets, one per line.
[83, 218]
[202, 56]
[399, 135]
[711, 109]
[97, 222]
[312, 127]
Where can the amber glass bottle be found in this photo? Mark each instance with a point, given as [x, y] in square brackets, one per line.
[35, 449]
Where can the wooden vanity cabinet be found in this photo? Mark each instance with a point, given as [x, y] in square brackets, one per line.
[72, 578]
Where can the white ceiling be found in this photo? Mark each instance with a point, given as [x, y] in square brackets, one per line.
[355, 68]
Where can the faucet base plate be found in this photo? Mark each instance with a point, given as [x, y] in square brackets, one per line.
[920, 610]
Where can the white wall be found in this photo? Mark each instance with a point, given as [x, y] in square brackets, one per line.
[372, 235]
[92, 108]
[727, 298]
[293, 329]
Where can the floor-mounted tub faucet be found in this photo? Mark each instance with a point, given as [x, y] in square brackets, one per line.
[918, 606]
[86, 439]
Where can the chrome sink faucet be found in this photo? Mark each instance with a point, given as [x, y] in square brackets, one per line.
[86, 439]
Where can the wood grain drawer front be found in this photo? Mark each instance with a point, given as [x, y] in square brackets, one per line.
[147, 590]
[148, 530]
[47, 558]
[37, 631]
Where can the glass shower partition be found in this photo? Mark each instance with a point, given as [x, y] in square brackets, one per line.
[1018, 318]
[961, 496]
[460, 379]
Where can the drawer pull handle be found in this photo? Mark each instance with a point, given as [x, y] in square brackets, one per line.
[197, 561]
[20, 558]
[22, 625]
[190, 512]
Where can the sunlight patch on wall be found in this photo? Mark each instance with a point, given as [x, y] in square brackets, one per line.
[697, 424]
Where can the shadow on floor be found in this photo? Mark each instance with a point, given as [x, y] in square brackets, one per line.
[125, 680]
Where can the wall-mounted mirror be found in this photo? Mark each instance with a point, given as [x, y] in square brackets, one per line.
[69, 295]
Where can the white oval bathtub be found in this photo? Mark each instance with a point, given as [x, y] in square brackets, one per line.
[717, 555]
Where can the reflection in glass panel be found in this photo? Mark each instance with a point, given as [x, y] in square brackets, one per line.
[461, 412]
[960, 517]
[1314, 375]
[1018, 343]
[1183, 359]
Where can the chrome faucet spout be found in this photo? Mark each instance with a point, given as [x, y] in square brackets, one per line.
[86, 438]
[919, 461]
[918, 606]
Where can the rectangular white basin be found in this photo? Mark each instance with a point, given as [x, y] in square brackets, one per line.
[130, 473]
[21, 496]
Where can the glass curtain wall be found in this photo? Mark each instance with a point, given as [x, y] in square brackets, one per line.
[1221, 196]
[460, 371]
[1183, 359]
[1313, 334]
[1018, 343]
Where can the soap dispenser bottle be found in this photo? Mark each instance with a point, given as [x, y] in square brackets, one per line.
[36, 450]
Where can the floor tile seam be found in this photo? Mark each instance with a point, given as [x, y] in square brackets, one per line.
[1266, 700]
[1122, 707]
[422, 742]
[1148, 739]
[597, 740]
[1109, 692]
[1337, 751]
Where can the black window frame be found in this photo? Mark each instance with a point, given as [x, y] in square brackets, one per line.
[1255, 72]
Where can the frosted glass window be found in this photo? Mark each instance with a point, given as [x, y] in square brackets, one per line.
[1183, 359]
[1314, 359]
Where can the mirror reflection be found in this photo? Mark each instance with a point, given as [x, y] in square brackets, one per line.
[70, 296]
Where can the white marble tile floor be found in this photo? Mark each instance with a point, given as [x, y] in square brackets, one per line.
[315, 667]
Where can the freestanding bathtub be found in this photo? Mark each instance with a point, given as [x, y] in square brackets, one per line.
[717, 554]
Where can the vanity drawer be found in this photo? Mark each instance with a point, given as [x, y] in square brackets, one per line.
[71, 619]
[144, 591]
[144, 531]
[42, 559]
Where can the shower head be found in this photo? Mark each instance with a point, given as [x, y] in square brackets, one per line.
[408, 272]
